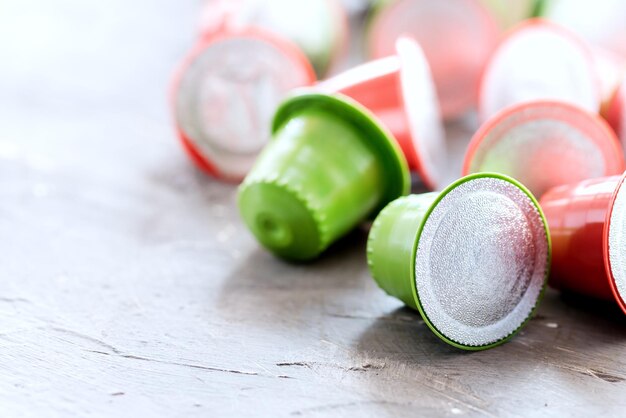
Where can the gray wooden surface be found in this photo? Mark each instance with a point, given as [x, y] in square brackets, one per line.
[129, 287]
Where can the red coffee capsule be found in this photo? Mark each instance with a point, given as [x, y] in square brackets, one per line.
[399, 90]
[616, 112]
[610, 68]
[225, 93]
[538, 60]
[457, 37]
[587, 224]
[544, 144]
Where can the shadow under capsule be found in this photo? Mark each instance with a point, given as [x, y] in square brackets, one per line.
[264, 290]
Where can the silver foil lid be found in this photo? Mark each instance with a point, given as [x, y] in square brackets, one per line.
[481, 261]
[545, 144]
[227, 96]
[536, 61]
[617, 241]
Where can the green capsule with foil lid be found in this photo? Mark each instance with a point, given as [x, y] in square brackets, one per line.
[473, 259]
[329, 166]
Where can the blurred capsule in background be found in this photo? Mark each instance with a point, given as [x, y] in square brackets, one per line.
[616, 112]
[539, 60]
[399, 90]
[600, 22]
[508, 13]
[356, 7]
[318, 27]
[587, 223]
[610, 68]
[457, 37]
[225, 94]
[544, 144]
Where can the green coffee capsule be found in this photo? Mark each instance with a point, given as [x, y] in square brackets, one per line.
[473, 259]
[329, 166]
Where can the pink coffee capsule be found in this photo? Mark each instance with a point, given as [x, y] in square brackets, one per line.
[399, 90]
[616, 112]
[587, 222]
[225, 93]
[457, 37]
[318, 27]
[539, 60]
[544, 144]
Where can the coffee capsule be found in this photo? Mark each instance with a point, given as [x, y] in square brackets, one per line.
[457, 37]
[473, 259]
[509, 13]
[399, 90]
[611, 69]
[587, 223]
[329, 166]
[616, 112]
[225, 93]
[318, 27]
[538, 60]
[545, 144]
[600, 23]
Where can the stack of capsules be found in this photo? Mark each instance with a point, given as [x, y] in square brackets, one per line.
[543, 81]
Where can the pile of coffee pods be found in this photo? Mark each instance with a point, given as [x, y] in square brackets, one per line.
[319, 155]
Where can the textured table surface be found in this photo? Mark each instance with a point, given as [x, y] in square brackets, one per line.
[129, 287]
